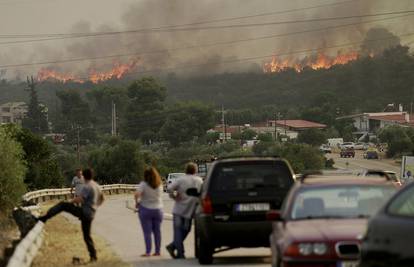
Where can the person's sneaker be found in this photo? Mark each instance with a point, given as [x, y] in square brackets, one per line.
[24, 220]
[170, 249]
[93, 259]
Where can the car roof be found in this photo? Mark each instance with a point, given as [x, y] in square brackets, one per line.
[322, 180]
[244, 158]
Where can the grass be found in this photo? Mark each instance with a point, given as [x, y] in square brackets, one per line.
[63, 241]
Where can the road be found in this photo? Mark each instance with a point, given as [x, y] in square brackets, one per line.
[359, 163]
[120, 227]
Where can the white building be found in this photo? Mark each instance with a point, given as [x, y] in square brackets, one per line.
[13, 112]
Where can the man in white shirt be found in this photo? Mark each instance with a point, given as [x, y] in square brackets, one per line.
[77, 183]
[184, 208]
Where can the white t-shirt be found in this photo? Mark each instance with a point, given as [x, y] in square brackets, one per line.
[78, 184]
[185, 205]
[150, 198]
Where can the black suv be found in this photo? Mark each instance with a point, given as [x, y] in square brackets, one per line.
[234, 200]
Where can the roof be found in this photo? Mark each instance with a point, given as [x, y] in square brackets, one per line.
[344, 180]
[300, 124]
[400, 117]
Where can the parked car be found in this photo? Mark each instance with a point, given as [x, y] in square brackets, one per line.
[171, 177]
[389, 238]
[235, 198]
[371, 154]
[322, 218]
[392, 176]
[325, 148]
[361, 146]
[347, 153]
[347, 145]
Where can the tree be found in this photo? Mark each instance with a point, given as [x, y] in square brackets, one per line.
[36, 118]
[397, 139]
[75, 116]
[144, 114]
[12, 172]
[265, 137]
[313, 137]
[118, 161]
[43, 170]
[248, 134]
[186, 121]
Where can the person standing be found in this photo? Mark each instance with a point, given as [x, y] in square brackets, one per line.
[184, 208]
[77, 183]
[89, 199]
[148, 200]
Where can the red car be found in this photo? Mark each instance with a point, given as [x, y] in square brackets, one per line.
[323, 219]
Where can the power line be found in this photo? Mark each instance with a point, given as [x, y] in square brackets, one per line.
[232, 26]
[194, 46]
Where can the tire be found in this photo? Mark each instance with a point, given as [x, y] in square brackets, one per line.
[205, 250]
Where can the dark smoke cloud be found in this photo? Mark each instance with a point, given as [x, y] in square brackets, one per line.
[155, 13]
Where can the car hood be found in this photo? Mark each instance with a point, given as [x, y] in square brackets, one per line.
[326, 229]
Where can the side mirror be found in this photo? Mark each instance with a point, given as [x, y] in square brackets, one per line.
[192, 192]
[273, 215]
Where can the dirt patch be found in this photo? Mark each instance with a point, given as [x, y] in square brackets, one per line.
[63, 241]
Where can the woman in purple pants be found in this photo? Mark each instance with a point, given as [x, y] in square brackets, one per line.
[148, 200]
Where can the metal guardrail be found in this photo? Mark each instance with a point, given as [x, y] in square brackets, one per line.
[28, 247]
[64, 193]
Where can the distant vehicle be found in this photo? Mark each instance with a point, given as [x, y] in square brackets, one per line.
[347, 145]
[371, 154]
[388, 240]
[235, 198]
[361, 146]
[392, 176]
[171, 177]
[325, 148]
[335, 142]
[322, 218]
[347, 153]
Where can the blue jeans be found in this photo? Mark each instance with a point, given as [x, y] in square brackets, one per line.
[151, 225]
[182, 227]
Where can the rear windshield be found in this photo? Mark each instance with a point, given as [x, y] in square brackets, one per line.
[241, 176]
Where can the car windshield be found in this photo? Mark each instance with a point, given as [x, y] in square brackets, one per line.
[340, 201]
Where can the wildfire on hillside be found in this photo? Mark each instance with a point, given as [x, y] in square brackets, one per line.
[118, 71]
[318, 61]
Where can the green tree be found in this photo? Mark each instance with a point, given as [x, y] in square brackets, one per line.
[248, 134]
[313, 137]
[118, 161]
[36, 118]
[145, 111]
[12, 172]
[397, 139]
[43, 170]
[186, 122]
[265, 137]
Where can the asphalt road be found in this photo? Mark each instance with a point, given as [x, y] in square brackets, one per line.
[120, 227]
[359, 163]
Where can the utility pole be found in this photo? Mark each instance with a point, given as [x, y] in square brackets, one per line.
[78, 142]
[275, 127]
[113, 122]
[223, 122]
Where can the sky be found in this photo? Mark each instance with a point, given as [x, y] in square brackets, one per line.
[69, 16]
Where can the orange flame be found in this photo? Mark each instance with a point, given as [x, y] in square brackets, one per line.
[320, 61]
[118, 71]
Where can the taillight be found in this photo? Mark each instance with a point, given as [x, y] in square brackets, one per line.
[207, 205]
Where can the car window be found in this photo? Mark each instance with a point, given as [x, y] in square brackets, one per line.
[251, 175]
[347, 201]
[403, 205]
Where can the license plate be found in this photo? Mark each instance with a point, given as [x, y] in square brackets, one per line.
[252, 207]
[347, 264]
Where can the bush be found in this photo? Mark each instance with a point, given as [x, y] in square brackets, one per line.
[12, 172]
[301, 157]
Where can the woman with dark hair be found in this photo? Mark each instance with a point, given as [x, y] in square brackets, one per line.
[148, 200]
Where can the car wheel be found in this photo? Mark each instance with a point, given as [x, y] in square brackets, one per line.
[205, 250]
